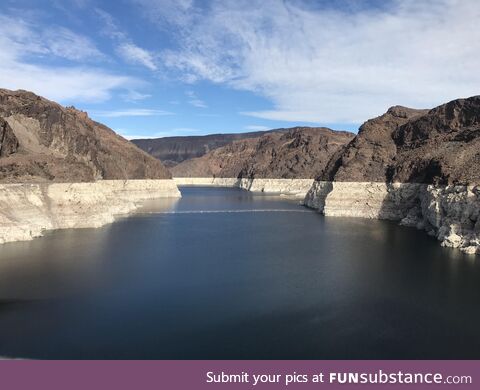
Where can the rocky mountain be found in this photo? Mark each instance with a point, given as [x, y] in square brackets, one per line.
[300, 152]
[174, 150]
[440, 146]
[368, 156]
[41, 140]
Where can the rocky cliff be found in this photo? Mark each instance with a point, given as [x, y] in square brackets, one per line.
[174, 150]
[58, 169]
[300, 152]
[27, 210]
[42, 141]
[8, 141]
[420, 167]
[404, 145]
[368, 156]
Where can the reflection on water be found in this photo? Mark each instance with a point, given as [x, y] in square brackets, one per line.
[223, 273]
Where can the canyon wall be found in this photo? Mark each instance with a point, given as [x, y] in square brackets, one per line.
[174, 150]
[27, 210]
[296, 153]
[42, 141]
[448, 212]
[290, 187]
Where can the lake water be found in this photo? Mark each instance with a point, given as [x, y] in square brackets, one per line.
[224, 273]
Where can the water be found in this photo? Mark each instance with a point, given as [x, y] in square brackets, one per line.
[224, 273]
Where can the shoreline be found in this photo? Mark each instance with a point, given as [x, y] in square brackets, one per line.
[289, 187]
[450, 213]
[27, 210]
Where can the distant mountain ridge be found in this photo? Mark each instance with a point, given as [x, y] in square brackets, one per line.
[174, 150]
[404, 145]
[299, 152]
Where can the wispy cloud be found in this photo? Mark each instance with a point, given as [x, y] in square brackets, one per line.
[23, 41]
[130, 112]
[136, 55]
[324, 64]
[194, 100]
[168, 12]
[26, 38]
[62, 42]
[257, 128]
[133, 96]
[177, 131]
[125, 48]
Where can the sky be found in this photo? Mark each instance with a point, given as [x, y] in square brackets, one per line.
[154, 68]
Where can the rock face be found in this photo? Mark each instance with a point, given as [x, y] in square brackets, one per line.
[291, 187]
[450, 213]
[419, 167]
[370, 154]
[438, 146]
[27, 210]
[43, 141]
[8, 141]
[174, 150]
[300, 152]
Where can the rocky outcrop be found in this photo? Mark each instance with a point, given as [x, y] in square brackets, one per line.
[27, 210]
[298, 153]
[370, 154]
[207, 181]
[438, 146]
[8, 141]
[290, 187]
[419, 167]
[54, 143]
[51, 161]
[173, 150]
[450, 213]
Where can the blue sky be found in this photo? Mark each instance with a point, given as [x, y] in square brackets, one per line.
[151, 68]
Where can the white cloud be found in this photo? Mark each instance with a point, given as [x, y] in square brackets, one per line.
[257, 128]
[62, 42]
[136, 55]
[130, 112]
[26, 38]
[108, 26]
[126, 49]
[21, 42]
[133, 96]
[61, 84]
[194, 100]
[129, 136]
[326, 65]
[178, 131]
[168, 12]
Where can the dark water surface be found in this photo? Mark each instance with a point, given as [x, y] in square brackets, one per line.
[262, 278]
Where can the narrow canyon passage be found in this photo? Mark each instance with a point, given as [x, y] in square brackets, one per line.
[226, 273]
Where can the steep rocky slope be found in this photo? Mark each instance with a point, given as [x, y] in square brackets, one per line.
[421, 168]
[404, 145]
[174, 150]
[43, 141]
[300, 152]
[440, 147]
[368, 156]
[8, 141]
